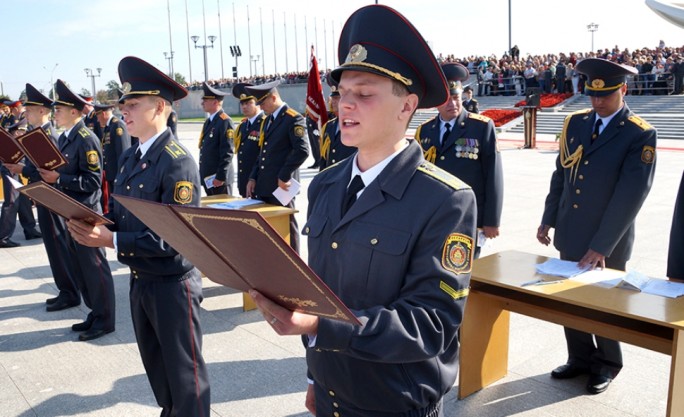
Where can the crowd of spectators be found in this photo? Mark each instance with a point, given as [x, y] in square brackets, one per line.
[660, 70]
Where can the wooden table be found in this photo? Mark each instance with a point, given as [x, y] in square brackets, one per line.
[277, 216]
[648, 321]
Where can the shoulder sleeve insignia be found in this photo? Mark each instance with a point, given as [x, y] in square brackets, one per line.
[643, 124]
[224, 116]
[457, 254]
[230, 133]
[119, 131]
[648, 154]
[443, 176]
[479, 117]
[83, 132]
[291, 112]
[183, 192]
[299, 131]
[93, 160]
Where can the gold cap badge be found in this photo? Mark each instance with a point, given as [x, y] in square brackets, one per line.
[126, 87]
[598, 83]
[357, 53]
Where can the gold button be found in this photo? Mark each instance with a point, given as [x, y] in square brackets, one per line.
[575, 206]
[374, 241]
[336, 414]
[265, 143]
[263, 159]
[240, 170]
[262, 167]
[333, 151]
[318, 350]
[577, 191]
[306, 230]
[586, 162]
[130, 254]
[441, 157]
[122, 254]
[141, 185]
[581, 177]
[335, 404]
[331, 393]
[334, 245]
[128, 187]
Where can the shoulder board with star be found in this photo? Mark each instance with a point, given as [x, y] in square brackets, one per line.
[580, 112]
[643, 124]
[479, 117]
[443, 176]
[174, 149]
[291, 112]
[83, 132]
[224, 116]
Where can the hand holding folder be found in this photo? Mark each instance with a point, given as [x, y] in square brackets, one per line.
[35, 145]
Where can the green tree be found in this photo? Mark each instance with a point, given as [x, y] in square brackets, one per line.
[179, 78]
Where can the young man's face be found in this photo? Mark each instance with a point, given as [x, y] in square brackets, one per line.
[370, 113]
[210, 105]
[34, 115]
[139, 114]
[607, 105]
[65, 116]
[102, 117]
[249, 108]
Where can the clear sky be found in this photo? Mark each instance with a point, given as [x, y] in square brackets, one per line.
[47, 39]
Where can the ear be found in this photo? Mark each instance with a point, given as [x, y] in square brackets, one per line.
[409, 106]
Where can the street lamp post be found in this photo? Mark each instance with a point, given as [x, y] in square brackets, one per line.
[90, 73]
[204, 47]
[52, 83]
[592, 27]
[169, 57]
[255, 59]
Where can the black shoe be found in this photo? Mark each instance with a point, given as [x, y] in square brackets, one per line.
[82, 326]
[8, 243]
[33, 234]
[52, 300]
[93, 334]
[597, 384]
[62, 305]
[568, 371]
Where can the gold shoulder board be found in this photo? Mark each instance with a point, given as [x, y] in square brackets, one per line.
[442, 175]
[643, 124]
[479, 117]
[83, 132]
[224, 116]
[292, 112]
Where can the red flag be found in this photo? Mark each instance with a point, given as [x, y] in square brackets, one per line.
[315, 103]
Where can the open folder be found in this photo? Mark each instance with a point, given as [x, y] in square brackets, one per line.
[240, 250]
[60, 203]
[36, 145]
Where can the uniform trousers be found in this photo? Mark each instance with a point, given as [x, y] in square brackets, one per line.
[166, 322]
[94, 279]
[328, 405]
[12, 206]
[54, 238]
[600, 355]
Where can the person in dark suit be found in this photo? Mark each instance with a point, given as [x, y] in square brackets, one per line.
[115, 140]
[561, 75]
[246, 136]
[89, 116]
[217, 145]
[172, 123]
[603, 174]
[464, 144]
[469, 103]
[391, 234]
[332, 148]
[283, 149]
[675, 254]
[81, 179]
[38, 109]
[166, 289]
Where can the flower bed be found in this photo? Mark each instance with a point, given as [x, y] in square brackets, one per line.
[501, 116]
[548, 100]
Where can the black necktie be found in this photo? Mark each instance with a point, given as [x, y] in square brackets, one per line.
[271, 119]
[597, 126]
[446, 133]
[353, 189]
[138, 155]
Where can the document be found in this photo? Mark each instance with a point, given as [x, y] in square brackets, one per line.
[240, 249]
[60, 203]
[209, 180]
[10, 151]
[236, 204]
[637, 281]
[286, 196]
[557, 267]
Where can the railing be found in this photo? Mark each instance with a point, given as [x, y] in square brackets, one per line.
[651, 84]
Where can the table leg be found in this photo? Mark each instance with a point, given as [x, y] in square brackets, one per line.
[484, 344]
[675, 397]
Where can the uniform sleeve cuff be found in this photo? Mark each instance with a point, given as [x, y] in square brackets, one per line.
[333, 334]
